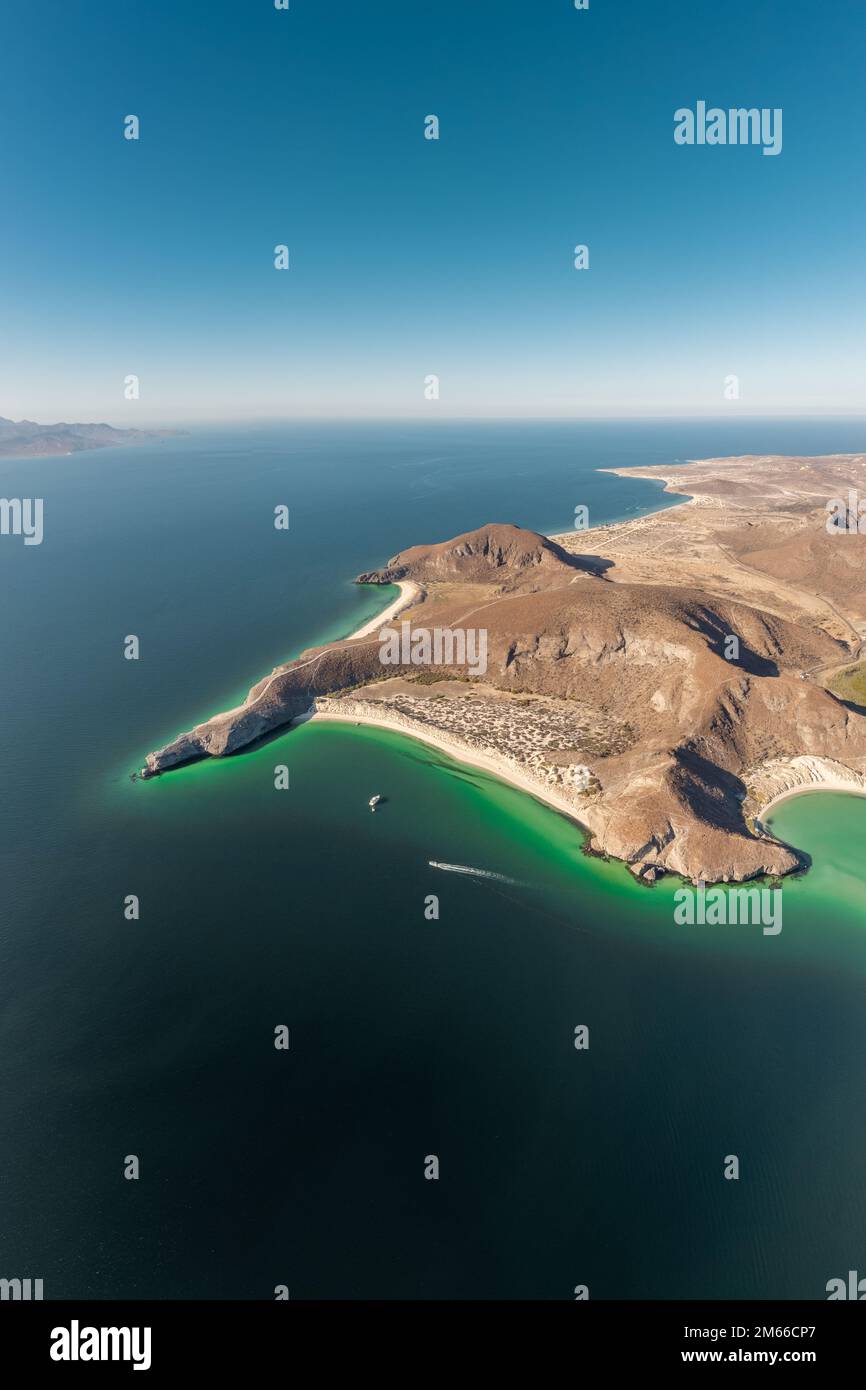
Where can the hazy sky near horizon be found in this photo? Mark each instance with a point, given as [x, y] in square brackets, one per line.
[412, 257]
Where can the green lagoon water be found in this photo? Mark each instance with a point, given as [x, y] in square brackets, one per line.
[409, 1037]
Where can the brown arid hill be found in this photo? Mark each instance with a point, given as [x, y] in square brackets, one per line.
[612, 686]
[499, 554]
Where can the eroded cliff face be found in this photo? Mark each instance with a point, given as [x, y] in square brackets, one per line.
[274, 702]
[770, 780]
[668, 720]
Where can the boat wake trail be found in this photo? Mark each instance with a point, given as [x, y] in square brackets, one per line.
[473, 873]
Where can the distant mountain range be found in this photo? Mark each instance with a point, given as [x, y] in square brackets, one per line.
[25, 439]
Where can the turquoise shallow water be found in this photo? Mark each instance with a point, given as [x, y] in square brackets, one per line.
[408, 1036]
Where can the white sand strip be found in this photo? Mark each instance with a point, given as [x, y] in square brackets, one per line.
[830, 784]
[409, 593]
[493, 763]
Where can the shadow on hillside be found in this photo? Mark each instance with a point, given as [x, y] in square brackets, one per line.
[717, 637]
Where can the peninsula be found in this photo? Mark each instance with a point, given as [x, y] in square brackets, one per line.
[660, 681]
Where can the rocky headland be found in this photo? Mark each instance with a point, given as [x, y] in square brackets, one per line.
[661, 680]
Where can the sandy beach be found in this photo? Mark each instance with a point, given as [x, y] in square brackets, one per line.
[492, 763]
[517, 777]
[831, 784]
[409, 594]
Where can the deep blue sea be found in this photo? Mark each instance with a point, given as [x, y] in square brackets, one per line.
[409, 1038]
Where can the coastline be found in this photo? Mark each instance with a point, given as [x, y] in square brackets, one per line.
[682, 499]
[832, 784]
[500, 767]
[492, 763]
[409, 593]
[513, 752]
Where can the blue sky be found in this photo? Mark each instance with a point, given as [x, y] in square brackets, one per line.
[411, 257]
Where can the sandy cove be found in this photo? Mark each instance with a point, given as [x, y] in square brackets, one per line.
[348, 711]
[800, 776]
[776, 783]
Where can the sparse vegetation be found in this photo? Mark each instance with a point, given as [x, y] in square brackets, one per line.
[440, 673]
[850, 684]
